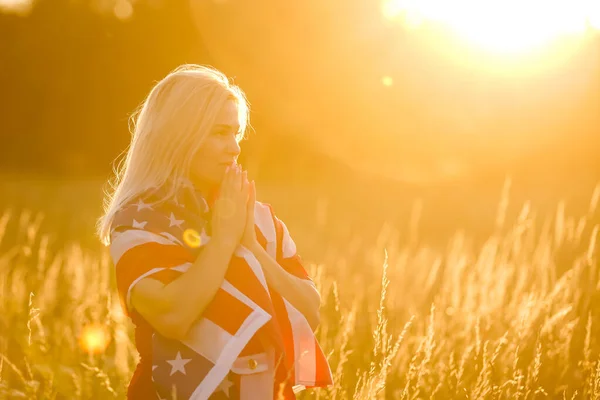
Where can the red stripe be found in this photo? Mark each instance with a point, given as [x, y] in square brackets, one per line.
[227, 312]
[322, 372]
[140, 259]
[254, 346]
[243, 278]
[294, 266]
[285, 327]
[262, 240]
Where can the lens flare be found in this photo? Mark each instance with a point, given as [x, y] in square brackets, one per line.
[94, 338]
[192, 238]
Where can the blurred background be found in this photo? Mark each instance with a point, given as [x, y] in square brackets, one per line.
[448, 148]
[374, 109]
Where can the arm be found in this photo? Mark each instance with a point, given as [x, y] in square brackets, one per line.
[172, 308]
[301, 293]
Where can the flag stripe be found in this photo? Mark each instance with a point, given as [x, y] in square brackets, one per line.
[304, 347]
[131, 238]
[263, 220]
[286, 330]
[228, 356]
[287, 255]
[237, 311]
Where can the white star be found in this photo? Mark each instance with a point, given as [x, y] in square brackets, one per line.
[141, 205]
[139, 225]
[154, 367]
[174, 222]
[224, 386]
[178, 364]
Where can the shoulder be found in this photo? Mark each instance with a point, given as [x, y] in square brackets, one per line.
[141, 212]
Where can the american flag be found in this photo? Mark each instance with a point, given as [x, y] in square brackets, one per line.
[248, 328]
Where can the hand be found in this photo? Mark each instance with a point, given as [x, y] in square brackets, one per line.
[229, 211]
[249, 239]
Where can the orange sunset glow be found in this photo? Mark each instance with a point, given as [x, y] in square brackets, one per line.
[425, 221]
[509, 26]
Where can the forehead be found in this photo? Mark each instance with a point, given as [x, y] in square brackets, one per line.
[228, 115]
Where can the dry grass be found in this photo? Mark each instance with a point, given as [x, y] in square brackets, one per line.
[514, 318]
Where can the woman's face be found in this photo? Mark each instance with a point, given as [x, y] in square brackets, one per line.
[219, 149]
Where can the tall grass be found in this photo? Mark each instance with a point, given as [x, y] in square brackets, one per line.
[515, 317]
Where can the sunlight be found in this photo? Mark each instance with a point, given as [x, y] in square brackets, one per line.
[94, 338]
[507, 26]
[22, 7]
[593, 16]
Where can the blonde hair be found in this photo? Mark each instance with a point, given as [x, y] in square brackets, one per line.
[167, 129]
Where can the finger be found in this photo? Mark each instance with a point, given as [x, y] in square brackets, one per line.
[238, 177]
[245, 185]
[251, 198]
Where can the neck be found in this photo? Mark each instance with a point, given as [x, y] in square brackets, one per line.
[207, 189]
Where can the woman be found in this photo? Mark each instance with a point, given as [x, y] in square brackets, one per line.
[210, 277]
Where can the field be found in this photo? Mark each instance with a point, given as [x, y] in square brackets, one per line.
[512, 314]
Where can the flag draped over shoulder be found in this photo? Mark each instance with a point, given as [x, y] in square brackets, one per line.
[163, 241]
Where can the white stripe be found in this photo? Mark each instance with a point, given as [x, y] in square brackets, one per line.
[264, 219]
[304, 347]
[232, 290]
[171, 237]
[288, 246]
[229, 354]
[207, 339]
[254, 265]
[139, 278]
[214, 343]
[183, 267]
[132, 238]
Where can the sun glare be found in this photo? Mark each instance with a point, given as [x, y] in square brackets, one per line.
[22, 7]
[94, 338]
[503, 26]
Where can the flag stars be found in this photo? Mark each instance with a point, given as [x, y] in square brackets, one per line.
[224, 386]
[174, 221]
[178, 364]
[141, 205]
[139, 225]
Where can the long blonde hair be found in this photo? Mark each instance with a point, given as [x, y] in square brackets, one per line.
[167, 129]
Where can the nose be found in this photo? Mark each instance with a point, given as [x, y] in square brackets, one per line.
[233, 148]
